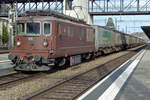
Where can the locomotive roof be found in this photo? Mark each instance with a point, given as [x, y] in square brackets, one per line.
[51, 14]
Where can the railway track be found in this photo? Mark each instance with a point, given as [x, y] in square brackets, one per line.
[11, 79]
[71, 88]
[4, 51]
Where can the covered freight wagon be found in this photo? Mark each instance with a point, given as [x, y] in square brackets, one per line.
[107, 40]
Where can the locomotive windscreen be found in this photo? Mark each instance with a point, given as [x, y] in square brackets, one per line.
[33, 28]
[30, 27]
[20, 28]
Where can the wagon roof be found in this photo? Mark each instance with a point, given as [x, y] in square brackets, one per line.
[107, 28]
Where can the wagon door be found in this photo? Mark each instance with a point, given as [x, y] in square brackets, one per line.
[98, 39]
[123, 40]
[107, 38]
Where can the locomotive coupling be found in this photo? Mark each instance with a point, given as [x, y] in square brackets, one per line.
[37, 57]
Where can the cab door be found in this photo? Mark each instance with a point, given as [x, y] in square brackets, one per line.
[47, 36]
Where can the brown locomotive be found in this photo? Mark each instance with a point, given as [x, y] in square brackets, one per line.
[43, 41]
[46, 39]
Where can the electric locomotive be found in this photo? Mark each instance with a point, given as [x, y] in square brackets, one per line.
[46, 39]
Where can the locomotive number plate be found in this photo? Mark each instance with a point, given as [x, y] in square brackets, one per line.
[30, 38]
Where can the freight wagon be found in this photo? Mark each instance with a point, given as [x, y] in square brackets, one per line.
[108, 40]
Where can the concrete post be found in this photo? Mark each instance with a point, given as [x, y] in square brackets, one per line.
[64, 6]
[79, 10]
[12, 19]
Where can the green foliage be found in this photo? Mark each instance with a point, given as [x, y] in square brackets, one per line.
[110, 23]
[5, 37]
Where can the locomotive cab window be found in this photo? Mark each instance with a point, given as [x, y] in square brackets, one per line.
[47, 28]
[20, 28]
[33, 28]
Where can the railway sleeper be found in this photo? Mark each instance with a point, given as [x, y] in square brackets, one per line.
[90, 77]
[52, 98]
[70, 89]
[81, 81]
[77, 86]
[65, 92]
[56, 95]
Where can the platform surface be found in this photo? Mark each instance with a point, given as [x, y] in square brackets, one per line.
[5, 64]
[3, 57]
[138, 85]
[131, 81]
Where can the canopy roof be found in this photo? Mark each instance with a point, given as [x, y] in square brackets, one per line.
[146, 29]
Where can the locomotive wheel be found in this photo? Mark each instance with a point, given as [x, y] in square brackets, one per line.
[86, 57]
[62, 63]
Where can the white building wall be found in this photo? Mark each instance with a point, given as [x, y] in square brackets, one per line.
[80, 10]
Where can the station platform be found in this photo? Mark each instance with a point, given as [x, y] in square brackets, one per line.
[5, 65]
[3, 57]
[4, 62]
[131, 81]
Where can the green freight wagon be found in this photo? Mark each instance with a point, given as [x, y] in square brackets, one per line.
[107, 40]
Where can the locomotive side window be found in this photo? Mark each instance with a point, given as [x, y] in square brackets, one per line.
[64, 30]
[70, 31]
[20, 28]
[47, 28]
[33, 28]
[59, 29]
[80, 32]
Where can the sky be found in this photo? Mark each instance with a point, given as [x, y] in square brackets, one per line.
[125, 23]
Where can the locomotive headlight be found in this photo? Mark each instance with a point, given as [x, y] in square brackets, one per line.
[45, 43]
[18, 43]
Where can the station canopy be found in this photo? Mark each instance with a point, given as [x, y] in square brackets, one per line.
[146, 29]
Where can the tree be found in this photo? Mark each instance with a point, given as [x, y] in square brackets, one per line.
[110, 23]
[5, 37]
